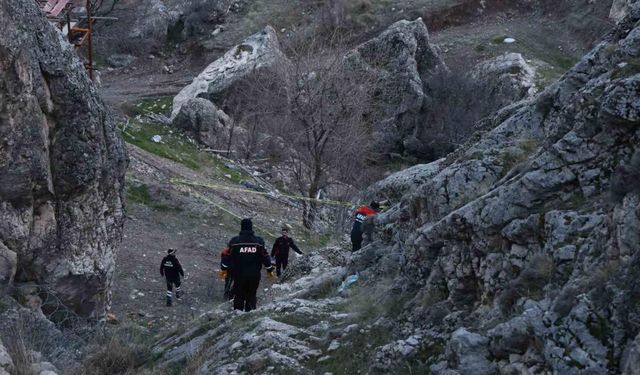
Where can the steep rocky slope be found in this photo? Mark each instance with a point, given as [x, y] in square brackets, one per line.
[519, 253]
[62, 164]
[518, 256]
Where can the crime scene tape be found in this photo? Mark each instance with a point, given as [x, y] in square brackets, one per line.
[179, 181]
[222, 208]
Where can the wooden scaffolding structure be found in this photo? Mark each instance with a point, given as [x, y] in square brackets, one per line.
[78, 30]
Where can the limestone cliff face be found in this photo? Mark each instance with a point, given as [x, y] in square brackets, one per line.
[521, 260]
[62, 165]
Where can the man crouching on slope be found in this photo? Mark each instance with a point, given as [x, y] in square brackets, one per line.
[248, 255]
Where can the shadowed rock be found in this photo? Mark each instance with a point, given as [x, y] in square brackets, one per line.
[62, 164]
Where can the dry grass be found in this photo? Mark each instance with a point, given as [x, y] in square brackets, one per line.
[121, 351]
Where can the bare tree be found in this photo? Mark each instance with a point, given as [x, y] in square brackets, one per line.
[317, 105]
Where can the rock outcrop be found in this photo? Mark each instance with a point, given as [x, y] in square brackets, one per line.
[153, 20]
[517, 238]
[400, 59]
[509, 75]
[200, 119]
[6, 363]
[619, 10]
[259, 51]
[62, 164]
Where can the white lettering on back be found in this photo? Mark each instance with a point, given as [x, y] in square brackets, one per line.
[248, 249]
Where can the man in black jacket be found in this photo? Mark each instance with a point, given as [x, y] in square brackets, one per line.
[247, 257]
[171, 269]
[280, 251]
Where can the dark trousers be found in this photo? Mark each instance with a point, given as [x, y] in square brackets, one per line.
[356, 241]
[228, 287]
[281, 263]
[170, 284]
[245, 290]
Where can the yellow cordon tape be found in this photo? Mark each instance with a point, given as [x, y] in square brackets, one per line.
[241, 190]
[222, 208]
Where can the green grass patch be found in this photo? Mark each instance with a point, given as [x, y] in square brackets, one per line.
[160, 105]
[310, 239]
[174, 145]
[498, 39]
[140, 194]
[564, 62]
[632, 67]
[296, 320]
[356, 350]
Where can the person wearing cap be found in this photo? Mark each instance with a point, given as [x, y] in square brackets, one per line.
[248, 256]
[171, 269]
[280, 251]
[361, 214]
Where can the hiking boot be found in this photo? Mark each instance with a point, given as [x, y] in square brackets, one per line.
[169, 301]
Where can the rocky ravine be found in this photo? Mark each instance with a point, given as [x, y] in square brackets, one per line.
[509, 256]
[62, 164]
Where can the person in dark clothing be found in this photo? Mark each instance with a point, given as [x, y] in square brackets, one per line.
[225, 273]
[280, 251]
[171, 269]
[361, 214]
[247, 257]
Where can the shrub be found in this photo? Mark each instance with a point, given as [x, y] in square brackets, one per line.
[119, 351]
[626, 178]
[536, 274]
[455, 102]
[530, 283]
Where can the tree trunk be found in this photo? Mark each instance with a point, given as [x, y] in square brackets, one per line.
[309, 213]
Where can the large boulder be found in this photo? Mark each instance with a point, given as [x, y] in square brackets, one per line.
[198, 117]
[6, 363]
[152, 23]
[259, 51]
[399, 59]
[632, 358]
[468, 352]
[619, 10]
[509, 76]
[62, 164]
[8, 262]
[403, 182]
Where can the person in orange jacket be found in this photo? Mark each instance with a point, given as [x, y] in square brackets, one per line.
[226, 273]
[361, 214]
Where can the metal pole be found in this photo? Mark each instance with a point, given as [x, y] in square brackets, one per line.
[68, 27]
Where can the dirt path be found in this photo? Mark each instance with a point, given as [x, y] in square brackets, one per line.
[119, 89]
[139, 290]
[175, 218]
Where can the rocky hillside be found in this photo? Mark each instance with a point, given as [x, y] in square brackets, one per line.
[62, 164]
[517, 254]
